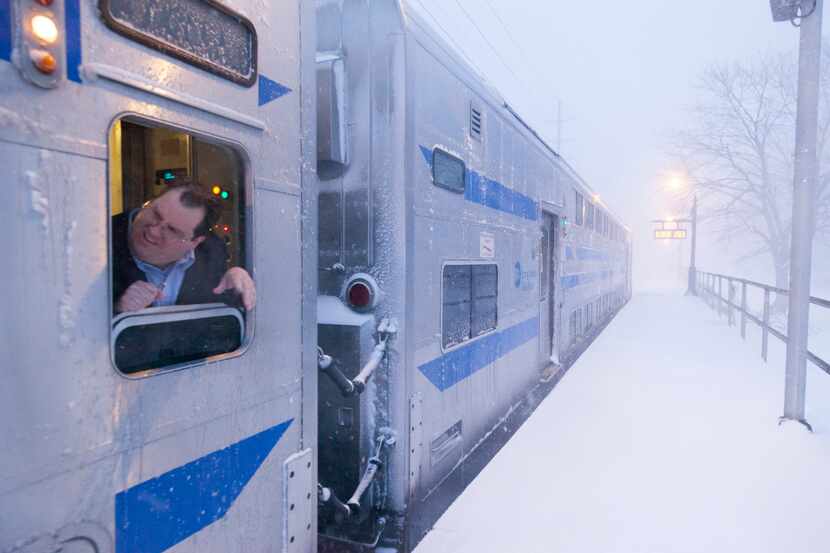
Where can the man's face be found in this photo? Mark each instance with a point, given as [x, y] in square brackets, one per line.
[162, 231]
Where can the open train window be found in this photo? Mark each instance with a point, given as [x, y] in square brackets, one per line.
[470, 302]
[180, 271]
[448, 171]
[203, 33]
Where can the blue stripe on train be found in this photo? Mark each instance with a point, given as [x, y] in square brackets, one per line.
[155, 515]
[452, 367]
[572, 281]
[481, 190]
[270, 90]
[73, 40]
[5, 30]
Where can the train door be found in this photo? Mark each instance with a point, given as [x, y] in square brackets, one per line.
[547, 289]
[154, 419]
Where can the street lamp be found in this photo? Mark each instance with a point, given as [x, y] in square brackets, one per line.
[679, 183]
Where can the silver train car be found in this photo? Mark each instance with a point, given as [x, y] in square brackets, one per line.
[462, 263]
[440, 271]
[119, 435]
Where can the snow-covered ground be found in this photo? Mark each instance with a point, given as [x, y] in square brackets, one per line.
[663, 437]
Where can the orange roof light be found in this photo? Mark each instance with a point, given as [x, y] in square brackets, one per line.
[44, 61]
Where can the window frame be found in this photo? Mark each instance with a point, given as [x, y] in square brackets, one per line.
[184, 55]
[471, 339]
[579, 209]
[544, 264]
[249, 317]
[435, 151]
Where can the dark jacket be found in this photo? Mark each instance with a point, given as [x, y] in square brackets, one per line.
[199, 280]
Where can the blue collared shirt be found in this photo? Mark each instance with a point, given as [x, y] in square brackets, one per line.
[168, 280]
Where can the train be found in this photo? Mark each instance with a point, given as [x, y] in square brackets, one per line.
[422, 258]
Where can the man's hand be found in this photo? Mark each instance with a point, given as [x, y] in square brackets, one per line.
[137, 296]
[238, 279]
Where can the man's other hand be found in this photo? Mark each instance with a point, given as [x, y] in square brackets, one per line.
[238, 280]
[139, 295]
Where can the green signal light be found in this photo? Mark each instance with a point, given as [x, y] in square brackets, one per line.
[168, 175]
[224, 195]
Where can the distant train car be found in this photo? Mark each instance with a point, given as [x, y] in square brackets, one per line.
[461, 260]
[180, 427]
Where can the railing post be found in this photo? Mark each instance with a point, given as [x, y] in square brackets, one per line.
[730, 287]
[720, 295]
[765, 327]
[743, 310]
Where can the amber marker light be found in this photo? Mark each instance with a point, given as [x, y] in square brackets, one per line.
[44, 61]
[44, 29]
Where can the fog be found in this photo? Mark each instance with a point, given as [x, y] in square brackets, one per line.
[608, 84]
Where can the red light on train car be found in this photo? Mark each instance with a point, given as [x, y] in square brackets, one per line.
[359, 295]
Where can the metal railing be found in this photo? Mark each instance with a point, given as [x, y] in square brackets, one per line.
[710, 287]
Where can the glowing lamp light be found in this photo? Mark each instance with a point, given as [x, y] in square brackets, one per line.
[44, 29]
[45, 2]
[224, 194]
[216, 190]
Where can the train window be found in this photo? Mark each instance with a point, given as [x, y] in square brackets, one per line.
[203, 33]
[589, 218]
[580, 209]
[448, 171]
[180, 275]
[573, 325]
[485, 299]
[470, 302]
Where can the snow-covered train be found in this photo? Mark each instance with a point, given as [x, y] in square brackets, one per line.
[446, 218]
[438, 264]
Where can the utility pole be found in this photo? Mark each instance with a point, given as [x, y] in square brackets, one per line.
[804, 195]
[692, 289]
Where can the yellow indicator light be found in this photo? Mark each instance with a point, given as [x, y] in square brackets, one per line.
[216, 190]
[44, 61]
[44, 29]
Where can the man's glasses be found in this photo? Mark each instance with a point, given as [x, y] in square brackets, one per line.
[149, 213]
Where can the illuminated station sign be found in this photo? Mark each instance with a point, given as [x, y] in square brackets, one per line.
[670, 234]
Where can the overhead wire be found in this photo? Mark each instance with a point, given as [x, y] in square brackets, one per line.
[484, 38]
[524, 56]
[448, 36]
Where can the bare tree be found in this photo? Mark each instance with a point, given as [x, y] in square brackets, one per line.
[739, 155]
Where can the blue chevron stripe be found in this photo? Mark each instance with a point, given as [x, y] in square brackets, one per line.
[155, 515]
[454, 366]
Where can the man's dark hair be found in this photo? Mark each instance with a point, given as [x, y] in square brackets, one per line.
[195, 195]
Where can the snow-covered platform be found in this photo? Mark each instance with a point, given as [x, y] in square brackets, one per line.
[663, 437]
